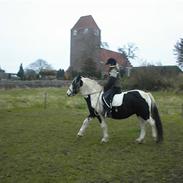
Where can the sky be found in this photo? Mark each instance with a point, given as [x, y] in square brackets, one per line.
[40, 29]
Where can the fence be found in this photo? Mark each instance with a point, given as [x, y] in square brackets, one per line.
[9, 84]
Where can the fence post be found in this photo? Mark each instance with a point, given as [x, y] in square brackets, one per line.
[45, 100]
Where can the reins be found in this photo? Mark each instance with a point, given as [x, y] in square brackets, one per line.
[92, 93]
[97, 99]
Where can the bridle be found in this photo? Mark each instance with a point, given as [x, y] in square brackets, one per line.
[74, 89]
[72, 93]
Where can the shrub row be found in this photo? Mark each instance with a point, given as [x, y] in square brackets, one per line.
[154, 80]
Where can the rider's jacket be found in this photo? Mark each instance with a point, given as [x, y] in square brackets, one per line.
[114, 80]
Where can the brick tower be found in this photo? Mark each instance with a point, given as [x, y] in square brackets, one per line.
[85, 43]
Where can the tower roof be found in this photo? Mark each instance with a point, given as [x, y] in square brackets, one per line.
[85, 22]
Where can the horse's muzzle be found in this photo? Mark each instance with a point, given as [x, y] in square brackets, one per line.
[69, 93]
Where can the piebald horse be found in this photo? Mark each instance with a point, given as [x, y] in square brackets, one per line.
[123, 106]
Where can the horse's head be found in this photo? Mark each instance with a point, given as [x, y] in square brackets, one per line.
[75, 86]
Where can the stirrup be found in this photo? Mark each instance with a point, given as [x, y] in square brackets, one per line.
[109, 114]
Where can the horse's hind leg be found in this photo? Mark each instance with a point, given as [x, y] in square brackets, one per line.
[84, 126]
[152, 123]
[142, 131]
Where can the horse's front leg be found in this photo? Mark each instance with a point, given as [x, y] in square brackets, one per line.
[104, 127]
[84, 126]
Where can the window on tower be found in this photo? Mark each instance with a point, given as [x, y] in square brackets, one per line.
[85, 30]
[74, 32]
[96, 32]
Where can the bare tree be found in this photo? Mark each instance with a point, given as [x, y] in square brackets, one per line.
[104, 45]
[129, 51]
[178, 51]
[39, 65]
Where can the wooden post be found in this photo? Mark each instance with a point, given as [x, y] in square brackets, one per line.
[182, 110]
[45, 100]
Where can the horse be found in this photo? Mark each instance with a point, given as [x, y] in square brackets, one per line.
[124, 105]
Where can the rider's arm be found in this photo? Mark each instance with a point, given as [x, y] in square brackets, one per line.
[113, 74]
[109, 83]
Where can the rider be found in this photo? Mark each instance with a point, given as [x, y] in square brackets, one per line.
[112, 87]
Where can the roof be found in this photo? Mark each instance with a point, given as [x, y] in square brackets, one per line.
[106, 54]
[85, 22]
[1, 70]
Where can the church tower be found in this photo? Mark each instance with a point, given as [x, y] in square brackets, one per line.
[85, 43]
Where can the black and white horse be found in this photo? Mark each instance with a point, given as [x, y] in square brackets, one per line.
[124, 105]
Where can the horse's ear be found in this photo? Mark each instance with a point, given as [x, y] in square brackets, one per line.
[81, 83]
[78, 77]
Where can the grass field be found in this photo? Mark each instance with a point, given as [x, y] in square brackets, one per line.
[38, 142]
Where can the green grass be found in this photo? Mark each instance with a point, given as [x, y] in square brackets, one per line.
[39, 145]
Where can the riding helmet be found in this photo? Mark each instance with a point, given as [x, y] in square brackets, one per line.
[111, 61]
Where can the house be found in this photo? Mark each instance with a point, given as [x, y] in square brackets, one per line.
[85, 47]
[3, 75]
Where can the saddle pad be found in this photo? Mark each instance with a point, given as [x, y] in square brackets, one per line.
[118, 99]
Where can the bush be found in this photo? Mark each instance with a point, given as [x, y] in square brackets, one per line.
[179, 82]
[149, 78]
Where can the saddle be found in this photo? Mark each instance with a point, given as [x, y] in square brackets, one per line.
[117, 100]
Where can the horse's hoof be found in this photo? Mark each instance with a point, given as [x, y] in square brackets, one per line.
[104, 140]
[155, 139]
[79, 135]
[158, 140]
[139, 141]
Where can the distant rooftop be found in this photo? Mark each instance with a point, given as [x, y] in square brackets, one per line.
[106, 54]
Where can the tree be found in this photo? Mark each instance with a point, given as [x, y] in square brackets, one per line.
[104, 45]
[178, 51]
[21, 72]
[30, 74]
[39, 65]
[60, 74]
[89, 68]
[129, 51]
[47, 74]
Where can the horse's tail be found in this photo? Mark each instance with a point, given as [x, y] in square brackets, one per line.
[157, 119]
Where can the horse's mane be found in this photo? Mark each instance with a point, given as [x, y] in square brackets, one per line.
[92, 83]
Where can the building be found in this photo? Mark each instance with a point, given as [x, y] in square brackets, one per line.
[3, 74]
[85, 46]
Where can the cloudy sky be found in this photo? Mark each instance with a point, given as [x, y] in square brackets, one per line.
[33, 29]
